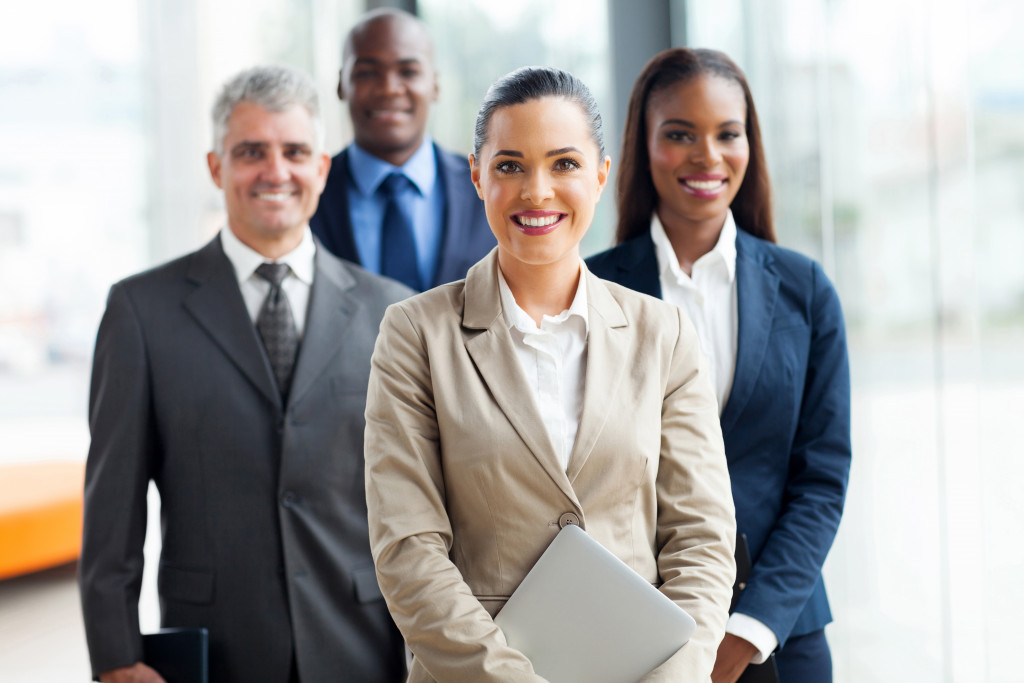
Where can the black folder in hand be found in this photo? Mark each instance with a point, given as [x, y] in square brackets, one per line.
[180, 655]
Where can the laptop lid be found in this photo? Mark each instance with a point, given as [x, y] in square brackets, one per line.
[582, 615]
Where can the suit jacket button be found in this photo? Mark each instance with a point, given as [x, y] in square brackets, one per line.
[568, 518]
[288, 499]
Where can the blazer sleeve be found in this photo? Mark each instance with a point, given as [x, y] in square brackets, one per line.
[445, 626]
[116, 484]
[696, 525]
[789, 566]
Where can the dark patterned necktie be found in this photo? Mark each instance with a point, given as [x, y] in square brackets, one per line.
[277, 326]
[397, 245]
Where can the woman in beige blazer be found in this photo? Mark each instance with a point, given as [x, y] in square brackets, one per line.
[533, 395]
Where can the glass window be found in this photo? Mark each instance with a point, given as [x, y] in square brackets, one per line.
[896, 153]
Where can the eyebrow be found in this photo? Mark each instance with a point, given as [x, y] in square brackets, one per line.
[249, 144]
[688, 124]
[519, 155]
[374, 61]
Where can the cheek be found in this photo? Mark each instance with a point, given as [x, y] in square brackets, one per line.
[583, 198]
[663, 158]
[494, 196]
[739, 159]
[494, 202]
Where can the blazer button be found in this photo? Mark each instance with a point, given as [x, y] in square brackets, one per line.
[568, 518]
[288, 499]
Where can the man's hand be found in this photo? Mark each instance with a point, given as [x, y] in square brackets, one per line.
[136, 673]
[734, 654]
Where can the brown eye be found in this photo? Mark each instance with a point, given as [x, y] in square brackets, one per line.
[507, 167]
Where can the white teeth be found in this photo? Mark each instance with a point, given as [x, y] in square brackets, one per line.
[274, 196]
[539, 222]
[705, 185]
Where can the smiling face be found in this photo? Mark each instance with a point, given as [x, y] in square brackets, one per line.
[389, 82]
[271, 174]
[540, 175]
[697, 142]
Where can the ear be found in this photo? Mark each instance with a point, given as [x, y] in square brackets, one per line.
[602, 174]
[323, 167]
[474, 174]
[437, 88]
[341, 85]
[213, 161]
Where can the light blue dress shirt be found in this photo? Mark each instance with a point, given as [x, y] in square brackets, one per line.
[424, 198]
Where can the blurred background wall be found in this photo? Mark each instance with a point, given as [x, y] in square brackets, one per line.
[895, 137]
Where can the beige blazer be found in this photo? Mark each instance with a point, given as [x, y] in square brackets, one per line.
[464, 490]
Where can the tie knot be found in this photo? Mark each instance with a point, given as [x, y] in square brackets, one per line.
[393, 184]
[274, 273]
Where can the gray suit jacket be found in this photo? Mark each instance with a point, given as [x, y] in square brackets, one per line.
[263, 514]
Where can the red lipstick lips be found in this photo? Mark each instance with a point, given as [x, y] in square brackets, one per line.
[537, 222]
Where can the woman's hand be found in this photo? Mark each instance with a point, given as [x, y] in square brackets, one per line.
[734, 654]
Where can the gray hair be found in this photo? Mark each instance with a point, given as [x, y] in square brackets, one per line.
[275, 88]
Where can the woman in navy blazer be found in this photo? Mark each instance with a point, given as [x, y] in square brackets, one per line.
[692, 172]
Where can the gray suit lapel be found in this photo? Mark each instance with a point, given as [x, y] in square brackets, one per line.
[607, 355]
[331, 309]
[218, 307]
[494, 355]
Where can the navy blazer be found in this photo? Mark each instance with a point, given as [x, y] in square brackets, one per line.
[465, 239]
[786, 422]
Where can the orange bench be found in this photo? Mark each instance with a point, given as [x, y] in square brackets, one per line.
[40, 516]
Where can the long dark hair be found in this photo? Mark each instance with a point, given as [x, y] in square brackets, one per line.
[636, 197]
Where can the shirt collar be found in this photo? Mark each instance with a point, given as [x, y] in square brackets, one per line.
[246, 260]
[368, 172]
[516, 317]
[724, 250]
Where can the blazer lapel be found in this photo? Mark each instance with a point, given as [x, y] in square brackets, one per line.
[637, 266]
[607, 355]
[495, 357]
[218, 307]
[331, 309]
[757, 288]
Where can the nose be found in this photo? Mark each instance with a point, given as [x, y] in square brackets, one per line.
[536, 188]
[391, 82]
[275, 169]
[706, 152]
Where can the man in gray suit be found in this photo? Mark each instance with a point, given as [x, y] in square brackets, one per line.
[235, 379]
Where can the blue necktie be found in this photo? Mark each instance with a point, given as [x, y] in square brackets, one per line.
[397, 245]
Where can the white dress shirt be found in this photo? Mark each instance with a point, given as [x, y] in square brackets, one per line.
[553, 357]
[296, 285]
[709, 298]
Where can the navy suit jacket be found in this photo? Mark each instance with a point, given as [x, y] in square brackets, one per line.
[465, 238]
[786, 422]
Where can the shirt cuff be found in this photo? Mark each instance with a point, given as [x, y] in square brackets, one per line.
[755, 633]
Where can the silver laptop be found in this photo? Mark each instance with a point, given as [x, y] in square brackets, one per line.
[582, 615]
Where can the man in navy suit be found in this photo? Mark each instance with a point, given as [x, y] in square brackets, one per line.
[388, 81]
